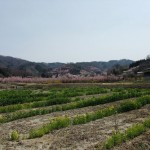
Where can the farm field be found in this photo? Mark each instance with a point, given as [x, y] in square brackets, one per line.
[86, 116]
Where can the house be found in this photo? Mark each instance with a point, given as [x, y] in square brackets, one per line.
[147, 74]
[140, 74]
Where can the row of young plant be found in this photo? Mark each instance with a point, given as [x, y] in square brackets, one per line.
[76, 91]
[132, 132]
[62, 122]
[45, 102]
[72, 105]
[9, 97]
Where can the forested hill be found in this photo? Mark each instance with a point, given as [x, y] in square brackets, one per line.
[10, 66]
[140, 65]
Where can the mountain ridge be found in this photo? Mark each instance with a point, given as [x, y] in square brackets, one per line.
[11, 66]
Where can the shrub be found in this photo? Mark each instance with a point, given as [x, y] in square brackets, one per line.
[127, 106]
[115, 139]
[36, 133]
[60, 122]
[135, 130]
[79, 120]
[14, 135]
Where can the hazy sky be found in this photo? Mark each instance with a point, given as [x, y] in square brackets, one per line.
[75, 30]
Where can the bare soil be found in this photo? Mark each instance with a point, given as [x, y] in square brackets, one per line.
[80, 137]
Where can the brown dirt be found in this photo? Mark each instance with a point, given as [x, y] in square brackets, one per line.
[78, 137]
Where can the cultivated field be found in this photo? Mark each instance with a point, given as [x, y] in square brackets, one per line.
[75, 117]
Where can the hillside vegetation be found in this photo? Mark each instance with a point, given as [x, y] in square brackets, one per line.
[10, 66]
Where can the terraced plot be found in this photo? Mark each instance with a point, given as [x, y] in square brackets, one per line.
[72, 119]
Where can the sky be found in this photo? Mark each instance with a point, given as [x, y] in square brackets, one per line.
[75, 30]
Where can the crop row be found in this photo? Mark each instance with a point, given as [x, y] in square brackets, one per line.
[73, 105]
[69, 106]
[44, 103]
[18, 96]
[62, 122]
[130, 133]
[9, 97]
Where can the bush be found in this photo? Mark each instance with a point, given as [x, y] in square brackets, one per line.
[115, 139]
[127, 106]
[134, 131]
[14, 135]
[79, 120]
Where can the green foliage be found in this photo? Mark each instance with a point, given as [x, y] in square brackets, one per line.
[27, 99]
[130, 133]
[58, 123]
[147, 123]
[135, 130]
[127, 106]
[84, 103]
[79, 120]
[115, 139]
[134, 104]
[14, 135]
